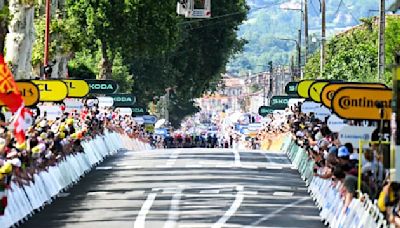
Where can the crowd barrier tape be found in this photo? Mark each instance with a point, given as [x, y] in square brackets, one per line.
[361, 213]
[25, 201]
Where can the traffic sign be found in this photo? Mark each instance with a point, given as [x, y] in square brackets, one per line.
[356, 103]
[265, 110]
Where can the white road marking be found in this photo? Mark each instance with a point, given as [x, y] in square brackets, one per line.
[283, 193]
[174, 210]
[237, 158]
[249, 166]
[173, 157]
[273, 214]
[193, 166]
[141, 218]
[232, 210]
[209, 192]
[104, 168]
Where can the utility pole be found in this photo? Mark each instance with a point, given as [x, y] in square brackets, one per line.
[381, 48]
[299, 55]
[323, 38]
[264, 89]
[47, 38]
[306, 29]
[395, 138]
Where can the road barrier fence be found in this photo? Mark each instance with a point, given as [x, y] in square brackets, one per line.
[26, 200]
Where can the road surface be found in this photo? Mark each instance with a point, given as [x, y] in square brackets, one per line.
[185, 188]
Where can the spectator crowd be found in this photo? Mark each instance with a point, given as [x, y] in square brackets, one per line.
[50, 141]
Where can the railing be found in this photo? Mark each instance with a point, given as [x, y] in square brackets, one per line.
[24, 201]
[361, 213]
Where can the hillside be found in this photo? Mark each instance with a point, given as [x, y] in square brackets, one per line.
[268, 21]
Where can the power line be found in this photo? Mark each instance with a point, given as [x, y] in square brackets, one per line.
[351, 14]
[338, 8]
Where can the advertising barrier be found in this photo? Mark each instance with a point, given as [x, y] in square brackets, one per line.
[25, 201]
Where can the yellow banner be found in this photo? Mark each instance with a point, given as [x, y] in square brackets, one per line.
[51, 90]
[77, 88]
[315, 91]
[354, 103]
[303, 87]
[330, 89]
[29, 92]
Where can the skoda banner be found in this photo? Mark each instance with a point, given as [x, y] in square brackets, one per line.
[291, 89]
[102, 86]
[279, 102]
[139, 110]
[265, 110]
[123, 100]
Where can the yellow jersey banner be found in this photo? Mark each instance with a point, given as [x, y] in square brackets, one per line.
[303, 87]
[315, 90]
[52, 90]
[77, 88]
[355, 103]
[329, 90]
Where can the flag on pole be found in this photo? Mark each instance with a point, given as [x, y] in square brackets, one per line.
[22, 121]
[9, 93]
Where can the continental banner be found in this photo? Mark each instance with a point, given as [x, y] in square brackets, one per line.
[330, 89]
[355, 103]
[77, 88]
[29, 91]
[52, 90]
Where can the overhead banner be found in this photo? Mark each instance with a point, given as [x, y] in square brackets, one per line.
[77, 88]
[336, 124]
[123, 100]
[279, 102]
[265, 111]
[303, 87]
[73, 105]
[149, 119]
[329, 90]
[50, 112]
[51, 90]
[309, 106]
[139, 110]
[29, 91]
[314, 92]
[102, 86]
[291, 88]
[124, 111]
[356, 103]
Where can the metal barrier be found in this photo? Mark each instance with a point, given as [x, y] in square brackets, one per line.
[25, 201]
[361, 213]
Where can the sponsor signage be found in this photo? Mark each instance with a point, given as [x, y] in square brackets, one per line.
[72, 105]
[50, 112]
[123, 100]
[139, 120]
[314, 92]
[105, 102]
[353, 135]
[291, 88]
[254, 127]
[138, 111]
[29, 91]
[102, 86]
[336, 124]
[356, 103]
[148, 119]
[330, 89]
[309, 106]
[51, 90]
[303, 87]
[279, 102]
[149, 128]
[77, 88]
[322, 112]
[124, 111]
[265, 110]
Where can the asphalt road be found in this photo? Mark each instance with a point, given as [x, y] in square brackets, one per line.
[186, 188]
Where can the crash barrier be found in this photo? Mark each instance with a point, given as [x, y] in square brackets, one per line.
[24, 201]
[361, 212]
